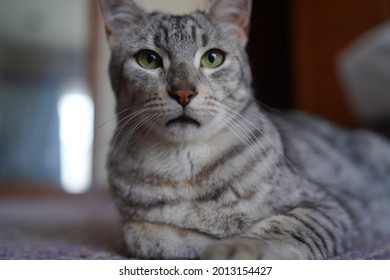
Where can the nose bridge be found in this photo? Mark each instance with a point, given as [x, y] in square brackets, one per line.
[182, 83]
[182, 76]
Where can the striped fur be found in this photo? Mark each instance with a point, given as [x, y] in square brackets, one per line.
[236, 181]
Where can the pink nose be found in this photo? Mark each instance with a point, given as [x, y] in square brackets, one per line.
[183, 96]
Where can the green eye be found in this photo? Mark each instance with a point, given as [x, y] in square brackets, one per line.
[213, 58]
[149, 59]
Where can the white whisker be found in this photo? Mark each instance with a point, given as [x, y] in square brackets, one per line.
[262, 133]
[249, 135]
[122, 124]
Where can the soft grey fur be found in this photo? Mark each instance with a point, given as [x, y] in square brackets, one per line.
[240, 182]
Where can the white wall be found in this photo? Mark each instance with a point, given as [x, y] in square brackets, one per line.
[59, 24]
[173, 6]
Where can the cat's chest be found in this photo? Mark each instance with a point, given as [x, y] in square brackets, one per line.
[219, 205]
[219, 212]
[178, 163]
[195, 189]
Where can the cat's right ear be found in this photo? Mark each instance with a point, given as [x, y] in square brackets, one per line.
[119, 16]
[236, 13]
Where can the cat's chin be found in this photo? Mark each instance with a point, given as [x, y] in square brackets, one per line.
[183, 131]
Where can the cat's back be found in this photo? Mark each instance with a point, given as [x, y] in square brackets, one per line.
[333, 155]
[351, 165]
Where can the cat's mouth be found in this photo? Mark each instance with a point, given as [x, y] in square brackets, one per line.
[183, 120]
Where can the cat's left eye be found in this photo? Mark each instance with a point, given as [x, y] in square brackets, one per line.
[213, 58]
[149, 59]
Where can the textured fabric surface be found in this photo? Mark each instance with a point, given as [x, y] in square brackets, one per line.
[85, 227]
[71, 227]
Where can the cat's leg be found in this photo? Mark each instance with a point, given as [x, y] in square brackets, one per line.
[156, 241]
[303, 233]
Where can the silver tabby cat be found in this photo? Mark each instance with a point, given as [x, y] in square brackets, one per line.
[199, 170]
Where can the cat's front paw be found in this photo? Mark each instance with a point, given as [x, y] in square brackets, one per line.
[251, 249]
[152, 241]
[148, 241]
[234, 249]
[159, 249]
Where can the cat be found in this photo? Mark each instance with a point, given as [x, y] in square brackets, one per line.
[198, 169]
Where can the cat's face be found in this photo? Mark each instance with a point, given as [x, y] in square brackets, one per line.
[181, 77]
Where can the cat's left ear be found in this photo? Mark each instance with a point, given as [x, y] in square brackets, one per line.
[234, 12]
[119, 16]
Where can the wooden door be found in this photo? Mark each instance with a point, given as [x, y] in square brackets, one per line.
[320, 30]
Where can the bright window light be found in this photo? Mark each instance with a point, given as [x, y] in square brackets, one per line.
[76, 112]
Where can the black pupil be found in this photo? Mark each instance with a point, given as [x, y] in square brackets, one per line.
[212, 57]
[151, 57]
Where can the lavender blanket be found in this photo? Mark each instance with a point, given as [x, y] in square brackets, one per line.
[85, 227]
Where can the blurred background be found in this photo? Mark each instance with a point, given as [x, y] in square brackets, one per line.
[326, 57]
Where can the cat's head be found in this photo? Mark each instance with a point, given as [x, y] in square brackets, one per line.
[181, 77]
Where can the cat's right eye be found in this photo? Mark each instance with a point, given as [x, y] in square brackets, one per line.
[149, 59]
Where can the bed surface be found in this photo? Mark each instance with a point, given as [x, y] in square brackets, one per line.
[84, 227]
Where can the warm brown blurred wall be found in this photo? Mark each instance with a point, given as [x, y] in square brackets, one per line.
[320, 30]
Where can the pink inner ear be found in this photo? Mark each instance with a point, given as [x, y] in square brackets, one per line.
[236, 12]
